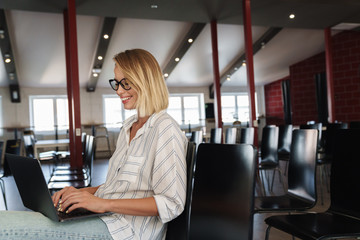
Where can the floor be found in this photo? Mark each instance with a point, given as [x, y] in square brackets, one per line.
[100, 168]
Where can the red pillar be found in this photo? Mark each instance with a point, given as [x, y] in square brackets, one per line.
[215, 57]
[329, 75]
[73, 90]
[250, 65]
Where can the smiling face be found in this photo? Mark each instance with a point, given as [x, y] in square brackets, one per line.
[128, 97]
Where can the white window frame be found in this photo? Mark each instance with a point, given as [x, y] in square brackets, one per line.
[124, 113]
[31, 107]
[235, 94]
[201, 109]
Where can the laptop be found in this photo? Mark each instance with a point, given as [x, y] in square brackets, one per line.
[34, 192]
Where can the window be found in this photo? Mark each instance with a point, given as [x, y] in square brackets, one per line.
[187, 109]
[114, 113]
[235, 107]
[49, 112]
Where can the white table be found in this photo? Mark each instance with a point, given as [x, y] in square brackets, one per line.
[49, 144]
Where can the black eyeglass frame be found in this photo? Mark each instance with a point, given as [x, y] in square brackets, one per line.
[125, 87]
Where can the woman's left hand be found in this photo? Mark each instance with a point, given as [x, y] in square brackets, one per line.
[83, 199]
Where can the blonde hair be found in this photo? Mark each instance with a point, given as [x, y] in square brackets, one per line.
[143, 71]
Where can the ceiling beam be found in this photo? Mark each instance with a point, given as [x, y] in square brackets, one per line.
[257, 46]
[103, 44]
[186, 42]
[8, 58]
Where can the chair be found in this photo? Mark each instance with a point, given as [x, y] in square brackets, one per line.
[81, 179]
[342, 218]
[101, 132]
[284, 143]
[29, 141]
[2, 160]
[247, 135]
[301, 192]
[222, 204]
[196, 137]
[178, 228]
[268, 159]
[13, 146]
[230, 135]
[215, 135]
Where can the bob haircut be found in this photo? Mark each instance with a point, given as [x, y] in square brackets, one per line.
[143, 71]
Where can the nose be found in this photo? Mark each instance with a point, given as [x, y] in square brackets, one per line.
[120, 91]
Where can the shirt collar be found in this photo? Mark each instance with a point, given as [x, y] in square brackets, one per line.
[149, 123]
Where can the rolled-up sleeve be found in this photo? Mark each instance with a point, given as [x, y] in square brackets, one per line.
[169, 172]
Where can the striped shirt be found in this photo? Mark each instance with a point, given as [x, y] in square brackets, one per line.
[152, 164]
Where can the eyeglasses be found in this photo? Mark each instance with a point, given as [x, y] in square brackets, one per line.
[124, 83]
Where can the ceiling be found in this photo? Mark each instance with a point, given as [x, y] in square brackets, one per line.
[37, 36]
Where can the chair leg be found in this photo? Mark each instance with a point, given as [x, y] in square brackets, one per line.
[267, 233]
[2, 186]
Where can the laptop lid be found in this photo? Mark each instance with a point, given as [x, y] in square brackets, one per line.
[32, 187]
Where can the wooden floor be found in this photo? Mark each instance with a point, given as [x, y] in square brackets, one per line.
[100, 169]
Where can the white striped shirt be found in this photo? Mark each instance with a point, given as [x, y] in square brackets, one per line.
[153, 164]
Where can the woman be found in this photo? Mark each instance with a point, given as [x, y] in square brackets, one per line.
[146, 182]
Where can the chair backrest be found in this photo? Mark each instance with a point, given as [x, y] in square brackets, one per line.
[329, 137]
[247, 135]
[223, 197]
[13, 146]
[215, 135]
[317, 126]
[354, 124]
[29, 142]
[344, 178]
[302, 164]
[285, 136]
[2, 156]
[178, 229]
[196, 137]
[89, 154]
[269, 145]
[230, 135]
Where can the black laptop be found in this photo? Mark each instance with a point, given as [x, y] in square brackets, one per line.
[34, 192]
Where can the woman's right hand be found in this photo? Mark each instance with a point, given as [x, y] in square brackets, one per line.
[61, 194]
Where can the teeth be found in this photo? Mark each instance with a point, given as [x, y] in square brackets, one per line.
[123, 99]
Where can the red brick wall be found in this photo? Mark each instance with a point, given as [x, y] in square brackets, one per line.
[346, 62]
[302, 88]
[346, 70]
[274, 103]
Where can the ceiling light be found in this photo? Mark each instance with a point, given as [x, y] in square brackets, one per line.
[95, 75]
[262, 44]
[2, 34]
[190, 40]
[166, 75]
[177, 59]
[154, 6]
[292, 16]
[100, 58]
[228, 78]
[106, 36]
[235, 68]
[7, 58]
[12, 76]
[96, 70]
[243, 63]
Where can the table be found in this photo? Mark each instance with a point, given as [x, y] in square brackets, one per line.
[49, 144]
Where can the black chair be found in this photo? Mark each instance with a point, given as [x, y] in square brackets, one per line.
[29, 141]
[230, 135]
[215, 135]
[354, 124]
[178, 228]
[284, 143]
[247, 135]
[268, 159]
[301, 192]
[222, 204]
[196, 137]
[2, 160]
[76, 180]
[342, 218]
[13, 146]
